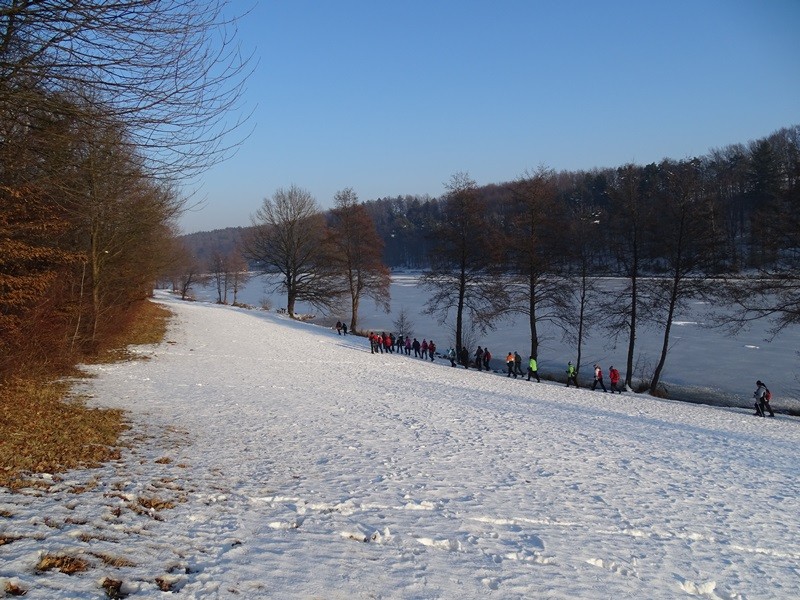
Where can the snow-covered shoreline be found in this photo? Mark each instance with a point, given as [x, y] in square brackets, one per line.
[704, 365]
[298, 465]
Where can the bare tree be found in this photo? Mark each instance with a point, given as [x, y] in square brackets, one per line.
[632, 207]
[357, 250]
[581, 309]
[171, 70]
[688, 246]
[533, 250]
[289, 237]
[218, 271]
[403, 324]
[239, 273]
[461, 277]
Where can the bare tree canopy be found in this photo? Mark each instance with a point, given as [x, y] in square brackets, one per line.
[288, 237]
[462, 277]
[169, 69]
[357, 250]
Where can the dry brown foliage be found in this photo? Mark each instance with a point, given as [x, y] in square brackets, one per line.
[44, 430]
[114, 561]
[64, 563]
[13, 589]
[155, 503]
[113, 588]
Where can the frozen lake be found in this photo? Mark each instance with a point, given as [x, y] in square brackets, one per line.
[703, 364]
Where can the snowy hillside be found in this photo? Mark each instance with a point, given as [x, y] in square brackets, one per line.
[273, 459]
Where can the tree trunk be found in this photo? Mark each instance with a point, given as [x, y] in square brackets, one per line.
[665, 345]
[532, 318]
[632, 332]
[462, 290]
[354, 314]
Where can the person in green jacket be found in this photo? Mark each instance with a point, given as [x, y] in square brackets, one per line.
[572, 374]
[533, 369]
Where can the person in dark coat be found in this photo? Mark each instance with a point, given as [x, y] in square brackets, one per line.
[510, 365]
[518, 364]
[479, 358]
[464, 357]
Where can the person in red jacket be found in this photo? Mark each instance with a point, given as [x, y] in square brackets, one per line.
[431, 350]
[613, 377]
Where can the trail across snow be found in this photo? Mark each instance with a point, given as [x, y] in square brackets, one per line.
[299, 465]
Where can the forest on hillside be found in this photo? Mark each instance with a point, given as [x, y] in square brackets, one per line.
[748, 194]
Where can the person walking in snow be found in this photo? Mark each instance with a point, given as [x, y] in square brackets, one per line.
[431, 350]
[572, 374]
[598, 378]
[408, 345]
[613, 377]
[464, 357]
[533, 369]
[344, 328]
[372, 342]
[424, 349]
[415, 346]
[400, 344]
[339, 327]
[487, 356]
[510, 365]
[451, 356]
[762, 400]
[479, 358]
[517, 364]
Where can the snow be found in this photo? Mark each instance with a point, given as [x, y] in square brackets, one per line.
[275, 459]
[703, 365]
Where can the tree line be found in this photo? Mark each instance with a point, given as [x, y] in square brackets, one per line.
[721, 228]
[105, 108]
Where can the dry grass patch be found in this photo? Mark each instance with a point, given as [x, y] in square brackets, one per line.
[87, 537]
[12, 589]
[155, 504]
[45, 431]
[148, 325]
[7, 539]
[114, 561]
[68, 565]
[44, 434]
[113, 588]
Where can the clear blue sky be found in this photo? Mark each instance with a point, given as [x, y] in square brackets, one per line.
[392, 98]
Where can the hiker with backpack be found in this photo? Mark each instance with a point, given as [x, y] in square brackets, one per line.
[762, 396]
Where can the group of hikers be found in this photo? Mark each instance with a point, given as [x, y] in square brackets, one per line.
[405, 345]
[383, 342]
[388, 343]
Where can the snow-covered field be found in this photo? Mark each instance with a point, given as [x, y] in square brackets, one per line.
[273, 459]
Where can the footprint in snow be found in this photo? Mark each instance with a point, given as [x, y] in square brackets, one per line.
[612, 566]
